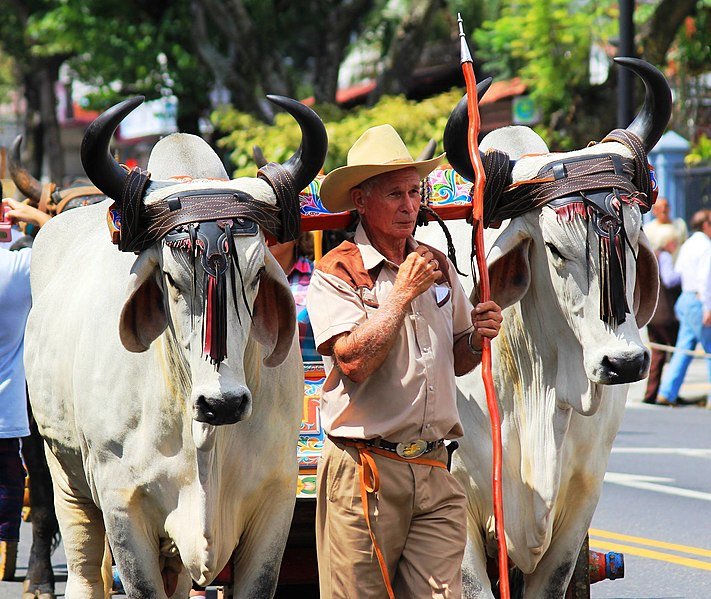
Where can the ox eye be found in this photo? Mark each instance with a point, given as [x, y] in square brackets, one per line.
[555, 252]
[170, 279]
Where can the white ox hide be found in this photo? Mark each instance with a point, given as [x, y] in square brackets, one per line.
[555, 365]
[174, 496]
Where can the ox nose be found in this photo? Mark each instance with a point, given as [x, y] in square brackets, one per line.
[226, 408]
[625, 369]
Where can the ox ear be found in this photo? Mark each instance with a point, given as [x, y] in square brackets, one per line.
[646, 286]
[274, 314]
[509, 268]
[143, 317]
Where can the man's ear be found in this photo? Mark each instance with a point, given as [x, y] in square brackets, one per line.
[143, 316]
[274, 313]
[358, 199]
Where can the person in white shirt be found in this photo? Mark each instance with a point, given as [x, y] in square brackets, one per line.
[15, 304]
[693, 308]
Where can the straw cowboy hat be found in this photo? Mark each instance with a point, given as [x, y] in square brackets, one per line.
[379, 150]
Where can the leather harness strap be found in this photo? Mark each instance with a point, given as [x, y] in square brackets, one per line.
[566, 177]
[370, 484]
[67, 195]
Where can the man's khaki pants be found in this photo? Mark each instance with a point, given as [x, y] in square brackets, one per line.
[418, 517]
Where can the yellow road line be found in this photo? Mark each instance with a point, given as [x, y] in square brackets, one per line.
[658, 555]
[596, 532]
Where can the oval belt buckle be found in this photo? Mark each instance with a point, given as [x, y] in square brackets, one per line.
[411, 450]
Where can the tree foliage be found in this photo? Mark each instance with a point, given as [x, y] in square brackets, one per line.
[547, 43]
[128, 48]
[416, 122]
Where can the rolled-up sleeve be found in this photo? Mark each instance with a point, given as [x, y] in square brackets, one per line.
[334, 308]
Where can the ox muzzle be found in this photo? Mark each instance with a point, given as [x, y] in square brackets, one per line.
[620, 368]
[224, 408]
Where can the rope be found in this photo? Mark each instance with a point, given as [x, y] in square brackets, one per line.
[695, 353]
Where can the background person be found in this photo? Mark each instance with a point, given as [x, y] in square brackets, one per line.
[15, 302]
[296, 260]
[394, 326]
[693, 308]
[658, 228]
[664, 327]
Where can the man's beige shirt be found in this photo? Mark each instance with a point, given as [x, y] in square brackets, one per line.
[413, 393]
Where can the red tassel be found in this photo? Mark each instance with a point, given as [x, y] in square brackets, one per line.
[567, 212]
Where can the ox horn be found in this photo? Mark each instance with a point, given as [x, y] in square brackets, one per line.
[26, 183]
[104, 172]
[653, 117]
[455, 134]
[428, 152]
[258, 157]
[307, 161]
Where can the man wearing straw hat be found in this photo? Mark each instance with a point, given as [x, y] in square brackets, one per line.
[394, 326]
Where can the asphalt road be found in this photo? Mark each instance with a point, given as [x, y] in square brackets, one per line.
[655, 507]
[656, 504]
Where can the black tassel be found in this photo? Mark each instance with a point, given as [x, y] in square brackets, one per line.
[613, 298]
[232, 252]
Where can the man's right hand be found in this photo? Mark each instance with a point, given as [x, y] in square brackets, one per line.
[417, 273]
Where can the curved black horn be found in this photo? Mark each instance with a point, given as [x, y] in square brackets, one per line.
[26, 183]
[307, 161]
[258, 156]
[428, 152]
[455, 134]
[653, 117]
[99, 165]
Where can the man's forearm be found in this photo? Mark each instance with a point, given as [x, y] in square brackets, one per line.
[362, 351]
[464, 360]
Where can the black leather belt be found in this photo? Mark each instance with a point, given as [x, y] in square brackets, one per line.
[412, 449]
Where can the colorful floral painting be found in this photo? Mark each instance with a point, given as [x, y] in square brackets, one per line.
[311, 433]
[448, 187]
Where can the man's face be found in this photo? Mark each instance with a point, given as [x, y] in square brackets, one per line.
[661, 210]
[390, 209]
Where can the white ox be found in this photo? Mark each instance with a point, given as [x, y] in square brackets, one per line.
[560, 371]
[175, 462]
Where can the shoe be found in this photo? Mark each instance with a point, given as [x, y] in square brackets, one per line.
[649, 401]
[697, 401]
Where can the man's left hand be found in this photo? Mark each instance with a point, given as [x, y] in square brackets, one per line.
[486, 318]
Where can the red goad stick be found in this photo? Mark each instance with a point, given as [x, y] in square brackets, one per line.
[485, 295]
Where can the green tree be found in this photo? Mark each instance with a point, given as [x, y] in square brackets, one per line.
[548, 42]
[37, 74]
[127, 48]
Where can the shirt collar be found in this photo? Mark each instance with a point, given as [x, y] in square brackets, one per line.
[371, 256]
